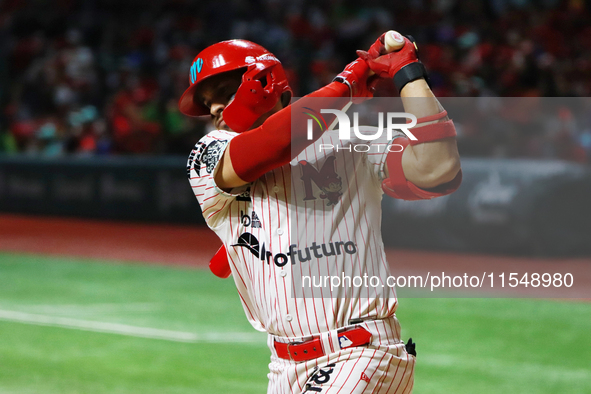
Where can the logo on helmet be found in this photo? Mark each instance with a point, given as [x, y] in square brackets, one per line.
[264, 56]
[196, 68]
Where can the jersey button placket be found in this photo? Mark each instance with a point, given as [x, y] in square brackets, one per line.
[280, 231]
[288, 318]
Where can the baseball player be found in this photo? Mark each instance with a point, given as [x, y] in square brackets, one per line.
[283, 209]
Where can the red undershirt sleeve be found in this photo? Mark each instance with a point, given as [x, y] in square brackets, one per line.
[280, 138]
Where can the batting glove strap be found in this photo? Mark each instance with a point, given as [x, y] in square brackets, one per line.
[340, 78]
[410, 72]
[355, 76]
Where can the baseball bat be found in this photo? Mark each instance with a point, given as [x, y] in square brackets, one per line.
[393, 41]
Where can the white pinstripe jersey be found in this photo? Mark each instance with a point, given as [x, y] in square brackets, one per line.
[320, 214]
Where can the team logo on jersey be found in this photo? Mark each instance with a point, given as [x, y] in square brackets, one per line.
[194, 159]
[295, 254]
[212, 155]
[327, 180]
[205, 154]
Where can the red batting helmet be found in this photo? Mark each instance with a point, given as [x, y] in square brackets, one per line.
[263, 81]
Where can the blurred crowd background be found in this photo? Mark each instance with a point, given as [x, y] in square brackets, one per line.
[103, 77]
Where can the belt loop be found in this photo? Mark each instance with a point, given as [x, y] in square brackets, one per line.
[353, 322]
[334, 340]
[288, 352]
[271, 344]
[326, 342]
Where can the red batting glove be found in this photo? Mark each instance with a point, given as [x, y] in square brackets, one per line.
[356, 76]
[388, 64]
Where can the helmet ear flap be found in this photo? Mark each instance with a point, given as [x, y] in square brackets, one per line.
[255, 72]
[256, 96]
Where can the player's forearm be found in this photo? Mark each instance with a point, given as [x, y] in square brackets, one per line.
[419, 100]
[431, 164]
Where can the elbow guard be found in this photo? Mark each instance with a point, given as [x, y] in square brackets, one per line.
[434, 131]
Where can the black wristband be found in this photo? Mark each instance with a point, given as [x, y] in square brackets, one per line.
[410, 72]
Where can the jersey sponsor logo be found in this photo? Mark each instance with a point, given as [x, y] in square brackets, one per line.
[319, 377]
[344, 342]
[327, 180]
[295, 254]
[244, 196]
[250, 242]
[250, 220]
